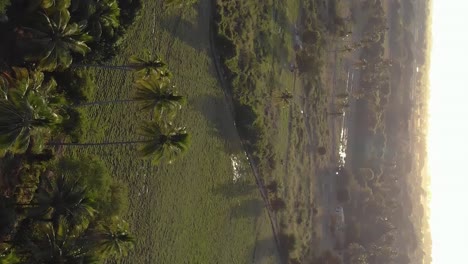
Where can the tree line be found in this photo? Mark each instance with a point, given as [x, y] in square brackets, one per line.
[57, 209]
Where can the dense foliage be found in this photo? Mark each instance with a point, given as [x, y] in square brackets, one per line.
[384, 187]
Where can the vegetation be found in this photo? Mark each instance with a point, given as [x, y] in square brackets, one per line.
[52, 39]
[3, 5]
[81, 87]
[383, 187]
[71, 210]
[48, 166]
[272, 56]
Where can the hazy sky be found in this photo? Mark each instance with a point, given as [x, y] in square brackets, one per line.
[448, 133]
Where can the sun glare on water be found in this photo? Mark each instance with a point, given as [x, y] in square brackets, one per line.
[448, 132]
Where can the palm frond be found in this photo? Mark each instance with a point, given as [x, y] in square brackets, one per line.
[163, 142]
[54, 38]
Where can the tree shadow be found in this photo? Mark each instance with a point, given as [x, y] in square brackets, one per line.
[265, 249]
[249, 208]
[187, 27]
[221, 124]
[232, 190]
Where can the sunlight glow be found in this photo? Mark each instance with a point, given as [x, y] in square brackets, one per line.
[447, 137]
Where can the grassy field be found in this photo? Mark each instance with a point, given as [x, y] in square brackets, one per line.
[285, 136]
[190, 211]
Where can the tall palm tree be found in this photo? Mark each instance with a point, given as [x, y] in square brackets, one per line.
[28, 106]
[168, 141]
[158, 142]
[53, 40]
[144, 66]
[152, 94]
[63, 199]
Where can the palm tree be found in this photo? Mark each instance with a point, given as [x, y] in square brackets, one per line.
[28, 106]
[104, 19]
[168, 141]
[285, 98]
[100, 16]
[49, 6]
[59, 244]
[54, 40]
[63, 199]
[151, 93]
[159, 141]
[143, 66]
[112, 242]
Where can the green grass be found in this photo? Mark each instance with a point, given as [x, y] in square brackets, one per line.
[286, 138]
[176, 212]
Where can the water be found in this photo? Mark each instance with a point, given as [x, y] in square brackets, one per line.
[240, 166]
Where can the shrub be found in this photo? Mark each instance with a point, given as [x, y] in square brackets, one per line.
[118, 200]
[74, 124]
[342, 195]
[77, 85]
[109, 196]
[277, 204]
[272, 187]
[3, 6]
[91, 172]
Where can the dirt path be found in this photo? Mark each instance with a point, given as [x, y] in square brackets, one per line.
[229, 102]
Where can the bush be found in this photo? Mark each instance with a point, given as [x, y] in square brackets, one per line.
[110, 197]
[272, 187]
[277, 204]
[90, 172]
[74, 125]
[118, 200]
[77, 85]
[342, 195]
[3, 6]
[9, 258]
[322, 151]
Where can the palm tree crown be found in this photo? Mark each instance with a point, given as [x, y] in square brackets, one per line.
[147, 65]
[285, 98]
[101, 16]
[163, 141]
[28, 106]
[59, 244]
[54, 39]
[113, 241]
[65, 199]
[158, 95]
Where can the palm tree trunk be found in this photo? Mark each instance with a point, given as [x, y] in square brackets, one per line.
[104, 66]
[97, 143]
[118, 101]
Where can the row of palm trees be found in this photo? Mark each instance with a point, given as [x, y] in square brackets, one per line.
[27, 96]
[30, 106]
[62, 224]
